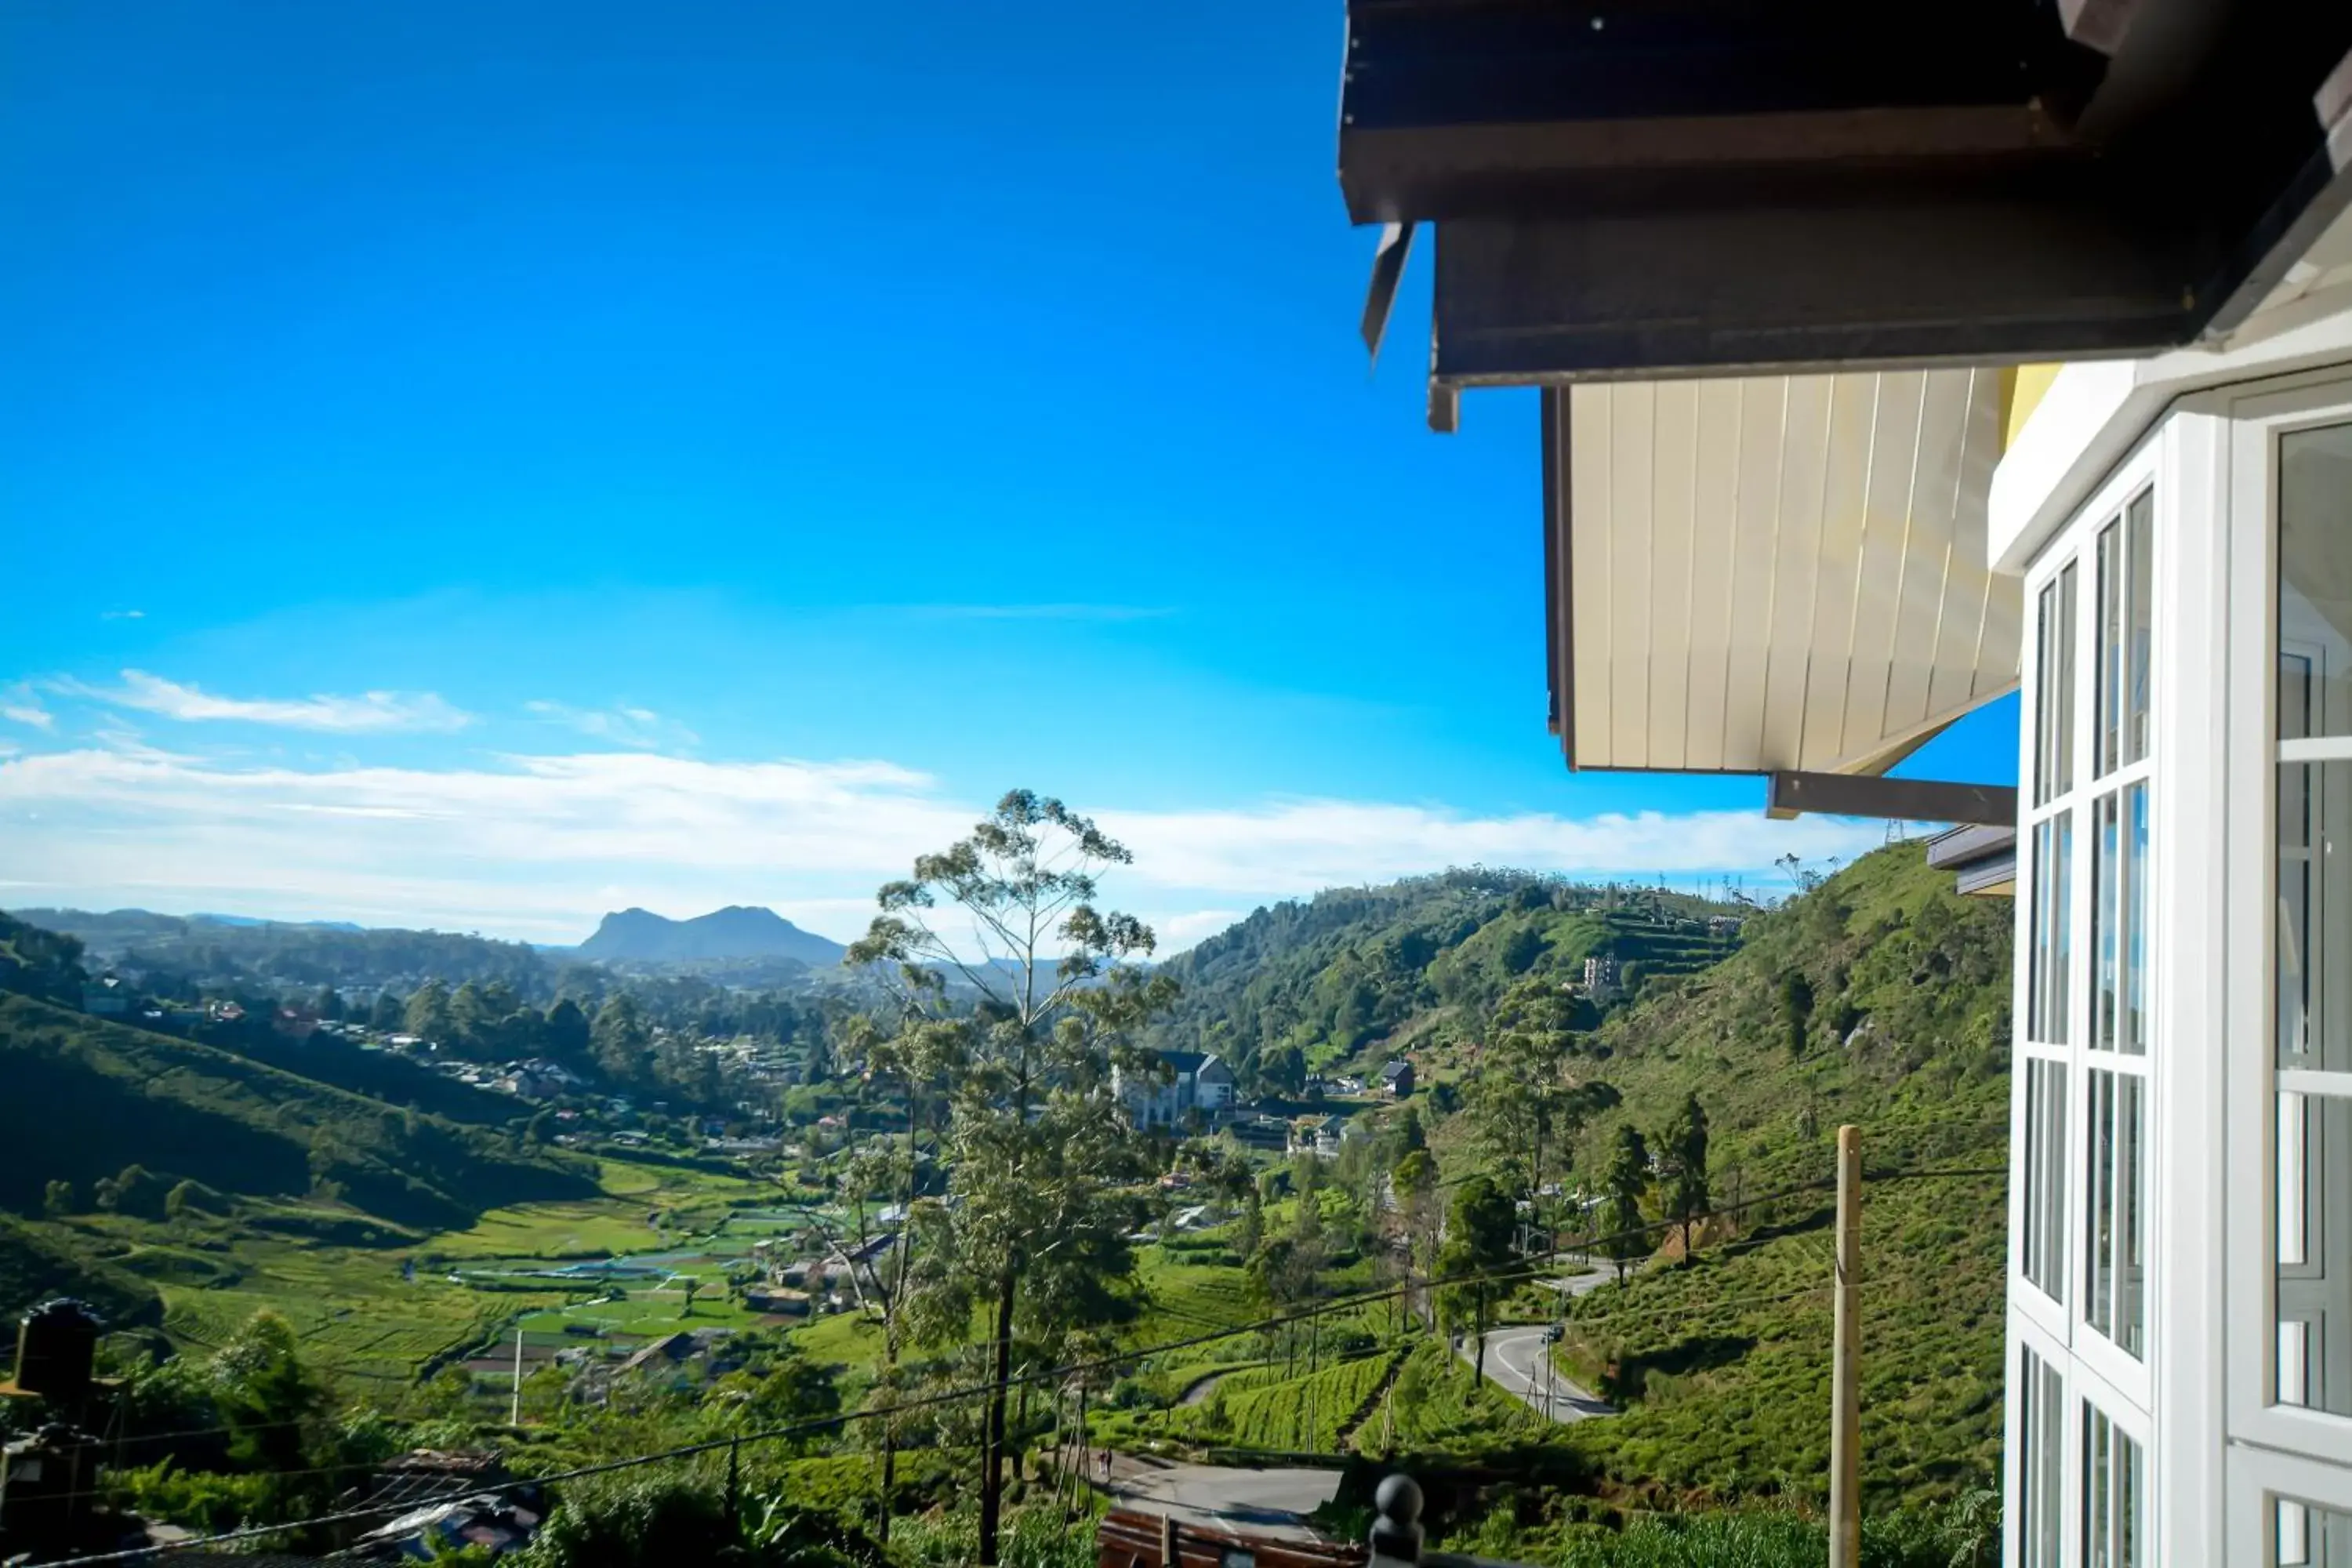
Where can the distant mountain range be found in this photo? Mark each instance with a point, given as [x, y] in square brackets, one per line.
[737, 932]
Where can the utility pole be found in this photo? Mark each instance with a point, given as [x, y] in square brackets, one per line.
[1845, 1376]
[514, 1410]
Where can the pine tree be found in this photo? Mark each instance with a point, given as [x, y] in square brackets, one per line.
[1685, 1149]
[1627, 1180]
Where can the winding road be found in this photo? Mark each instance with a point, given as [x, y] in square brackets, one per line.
[1516, 1362]
[1271, 1501]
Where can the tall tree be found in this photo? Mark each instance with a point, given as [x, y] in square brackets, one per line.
[619, 1039]
[1478, 1236]
[1525, 1107]
[1415, 1180]
[386, 1014]
[566, 1033]
[1038, 1148]
[1624, 1185]
[1683, 1148]
[427, 1013]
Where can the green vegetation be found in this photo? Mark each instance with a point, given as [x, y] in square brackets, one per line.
[283, 1213]
[1356, 973]
[1724, 1363]
[89, 1098]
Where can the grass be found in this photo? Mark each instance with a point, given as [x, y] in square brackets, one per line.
[1439, 1403]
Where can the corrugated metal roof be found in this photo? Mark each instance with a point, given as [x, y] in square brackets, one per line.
[1757, 573]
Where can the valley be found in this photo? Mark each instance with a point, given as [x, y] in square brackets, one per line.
[1290, 1289]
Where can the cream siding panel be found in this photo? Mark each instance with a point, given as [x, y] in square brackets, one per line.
[1755, 550]
[1591, 598]
[1886, 540]
[1796, 577]
[1929, 590]
[1976, 649]
[1781, 571]
[1631, 426]
[1844, 471]
[1714, 564]
[1674, 486]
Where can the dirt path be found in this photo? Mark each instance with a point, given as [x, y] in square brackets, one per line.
[1372, 1405]
[1197, 1392]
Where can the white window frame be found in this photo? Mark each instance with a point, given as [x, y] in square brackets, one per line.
[2084, 1389]
[2127, 1377]
[2306, 1446]
[2052, 1353]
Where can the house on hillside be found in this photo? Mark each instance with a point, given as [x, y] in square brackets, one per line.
[1602, 982]
[1191, 1084]
[106, 997]
[1396, 1078]
[1879, 384]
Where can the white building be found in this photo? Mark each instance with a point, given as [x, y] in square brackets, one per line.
[1191, 1083]
[1818, 482]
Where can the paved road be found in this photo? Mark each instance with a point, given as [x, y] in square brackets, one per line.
[1266, 1502]
[1516, 1362]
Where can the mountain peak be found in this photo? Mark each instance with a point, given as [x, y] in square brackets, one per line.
[739, 931]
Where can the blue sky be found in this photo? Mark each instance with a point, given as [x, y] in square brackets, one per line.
[731, 444]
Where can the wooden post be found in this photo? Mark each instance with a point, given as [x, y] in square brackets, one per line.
[1845, 1376]
[1168, 1541]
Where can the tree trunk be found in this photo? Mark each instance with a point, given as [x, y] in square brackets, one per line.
[992, 1448]
[889, 1476]
[1481, 1331]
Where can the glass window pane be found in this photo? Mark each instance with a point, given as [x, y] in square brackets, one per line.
[2314, 1252]
[2041, 1438]
[2044, 1241]
[2114, 1533]
[2115, 1265]
[2111, 650]
[2119, 921]
[2315, 604]
[2139, 616]
[2052, 940]
[2305, 1535]
[2313, 941]
[2054, 705]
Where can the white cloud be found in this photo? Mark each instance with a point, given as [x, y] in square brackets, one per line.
[369, 710]
[641, 729]
[539, 846]
[122, 615]
[21, 707]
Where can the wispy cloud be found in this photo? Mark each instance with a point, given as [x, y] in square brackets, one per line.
[539, 846]
[641, 729]
[122, 615]
[19, 706]
[369, 711]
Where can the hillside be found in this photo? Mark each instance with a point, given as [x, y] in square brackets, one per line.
[1727, 1374]
[188, 952]
[39, 1263]
[88, 1098]
[1355, 969]
[737, 931]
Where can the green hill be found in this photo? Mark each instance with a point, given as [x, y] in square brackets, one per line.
[88, 1098]
[1724, 1363]
[36, 1264]
[1339, 975]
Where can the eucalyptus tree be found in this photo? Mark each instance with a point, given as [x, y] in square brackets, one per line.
[1624, 1184]
[1525, 1106]
[1683, 1148]
[1030, 994]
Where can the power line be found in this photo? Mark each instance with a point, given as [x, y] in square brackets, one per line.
[957, 1396]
